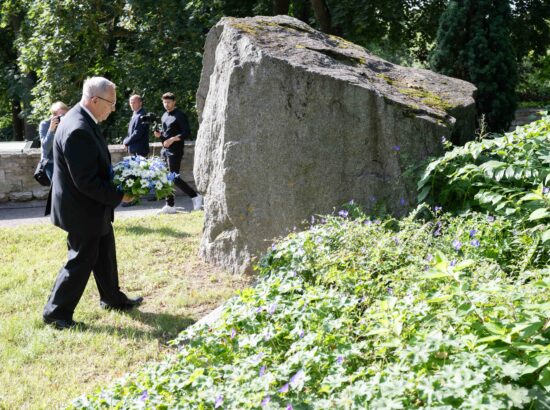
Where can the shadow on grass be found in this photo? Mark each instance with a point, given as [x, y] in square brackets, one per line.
[143, 230]
[163, 326]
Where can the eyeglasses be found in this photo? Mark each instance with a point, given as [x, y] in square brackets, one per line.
[104, 99]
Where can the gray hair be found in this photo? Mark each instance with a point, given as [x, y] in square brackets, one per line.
[94, 86]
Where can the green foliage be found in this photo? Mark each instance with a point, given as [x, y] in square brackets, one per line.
[473, 43]
[508, 176]
[356, 314]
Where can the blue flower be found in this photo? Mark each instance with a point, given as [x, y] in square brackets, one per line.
[343, 213]
[457, 245]
[284, 389]
[144, 396]
[266, 401]
[289, 407]
[490, 218]
[340, 359]
[396, 148]
[545, 190]
[437, 208]
[272, 308]
[219, 401]
[262, 371]
[472, 233]
[453, 262]
[402, 202]
[297, 376]
[233, 333]
[474, 243]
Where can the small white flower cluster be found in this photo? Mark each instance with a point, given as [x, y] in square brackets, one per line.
[138, 176]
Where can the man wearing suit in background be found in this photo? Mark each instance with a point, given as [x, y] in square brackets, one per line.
[82, 202]
[137, 140]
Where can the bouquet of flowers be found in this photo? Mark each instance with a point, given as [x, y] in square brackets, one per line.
[138, 176]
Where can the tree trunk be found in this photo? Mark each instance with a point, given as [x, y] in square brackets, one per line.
[322, 15]
[280, 7]
[16, 121]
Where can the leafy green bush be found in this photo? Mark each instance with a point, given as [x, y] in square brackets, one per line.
[355, 313]
[508, 176]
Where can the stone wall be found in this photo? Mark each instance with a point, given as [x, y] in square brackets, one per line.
[17, 169]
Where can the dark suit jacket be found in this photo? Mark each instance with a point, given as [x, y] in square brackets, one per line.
[82, 196]
[137, 140]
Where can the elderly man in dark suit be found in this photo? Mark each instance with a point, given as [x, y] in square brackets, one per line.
[82, 202]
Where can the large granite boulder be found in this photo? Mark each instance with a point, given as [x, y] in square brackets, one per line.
[294, 123]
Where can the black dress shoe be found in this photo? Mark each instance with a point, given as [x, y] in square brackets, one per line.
[62, 324]
[129, 304]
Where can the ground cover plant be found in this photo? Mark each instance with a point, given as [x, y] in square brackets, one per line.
[366, 314]
[431, 311]
[44, 368]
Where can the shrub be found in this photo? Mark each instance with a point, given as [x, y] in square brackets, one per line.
[508, 176]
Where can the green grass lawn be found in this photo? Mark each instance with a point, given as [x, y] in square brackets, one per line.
[157, 255]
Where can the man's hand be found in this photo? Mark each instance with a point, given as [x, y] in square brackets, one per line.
[54, 122]
[170, 141]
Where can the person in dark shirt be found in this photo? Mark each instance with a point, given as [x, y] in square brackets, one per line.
[175, 128]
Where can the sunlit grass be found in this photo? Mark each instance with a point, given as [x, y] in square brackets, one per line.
[44, 368]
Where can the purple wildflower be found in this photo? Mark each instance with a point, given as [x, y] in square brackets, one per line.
[144, 396]
[219, 401]
[472, 233]
[284, 389]
[438, 208]
[453, 262]
[545, 190]
[390, 290]
[443, 139]
[301, 333]
[293, 273]
[297, 376]
[368, 222]
[266, 401]
[437, 231]
[259, 357]
[372, 198]
[262, 371]
[457, 245]
[490, 218]
[474, 243]
[340, 359]
[396, 148]
[402, 202]
[343, 213]
[429, 257]
[272, 309]
[233, 333]
[396, 240]
[351, 202]
[289, 407]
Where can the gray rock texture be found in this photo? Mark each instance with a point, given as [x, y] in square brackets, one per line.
[294, 123]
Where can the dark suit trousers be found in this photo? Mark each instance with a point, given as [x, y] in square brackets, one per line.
[86, 254]
[174, 163]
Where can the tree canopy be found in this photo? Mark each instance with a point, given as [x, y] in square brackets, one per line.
[150, 47]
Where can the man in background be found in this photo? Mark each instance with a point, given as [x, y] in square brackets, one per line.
[46, 131]
[175, 128]
[82, 202]
[137, 141]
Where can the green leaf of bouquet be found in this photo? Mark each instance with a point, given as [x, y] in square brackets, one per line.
[494, 328]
